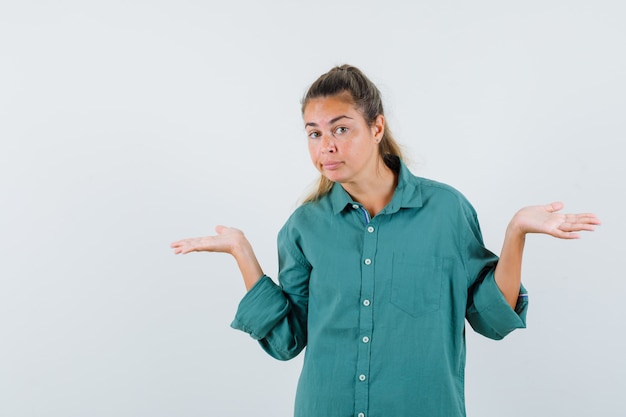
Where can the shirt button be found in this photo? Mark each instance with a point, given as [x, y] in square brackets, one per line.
[366, 339]
[361, 415]
[361, 377]
[355, 206]
[370, 229]
[368, 261]
[366, 303]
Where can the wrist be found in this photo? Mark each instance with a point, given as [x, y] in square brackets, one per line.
[515, 229]
[240, 247]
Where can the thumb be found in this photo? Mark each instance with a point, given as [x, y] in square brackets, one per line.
[220, 229]
[555, 206]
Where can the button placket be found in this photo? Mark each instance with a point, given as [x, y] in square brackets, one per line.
[366, 318]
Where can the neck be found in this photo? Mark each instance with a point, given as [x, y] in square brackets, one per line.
[375, 193]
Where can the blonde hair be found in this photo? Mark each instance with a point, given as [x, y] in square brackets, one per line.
[346, 79]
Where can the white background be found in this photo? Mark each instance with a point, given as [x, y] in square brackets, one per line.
[125, 125]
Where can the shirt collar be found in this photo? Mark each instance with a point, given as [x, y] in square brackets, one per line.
[408, 194]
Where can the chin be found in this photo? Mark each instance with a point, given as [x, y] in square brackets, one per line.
[334, 177]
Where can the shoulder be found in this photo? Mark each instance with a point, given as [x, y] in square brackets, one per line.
[448, 206]
[308, 215]
[441, 202]
[437, 187]
[312, 210]
[420, 190]
[443, 194]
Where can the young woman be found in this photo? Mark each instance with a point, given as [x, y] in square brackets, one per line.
[379, 269]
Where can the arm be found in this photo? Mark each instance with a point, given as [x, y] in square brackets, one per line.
[535, 219]
[228, 240]
[275, 315]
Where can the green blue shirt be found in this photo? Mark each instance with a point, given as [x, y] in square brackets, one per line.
[380, 304]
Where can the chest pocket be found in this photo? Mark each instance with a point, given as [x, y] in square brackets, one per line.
[416, 284]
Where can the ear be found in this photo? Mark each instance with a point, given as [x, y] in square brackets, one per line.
[378, 127]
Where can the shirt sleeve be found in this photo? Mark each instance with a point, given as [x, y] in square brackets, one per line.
[490, 314]
[487, 311]
[276, 314]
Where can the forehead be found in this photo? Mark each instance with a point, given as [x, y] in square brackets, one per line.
[323, 109]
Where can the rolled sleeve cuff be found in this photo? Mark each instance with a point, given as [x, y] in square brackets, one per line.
[495, 312]
[263, 306]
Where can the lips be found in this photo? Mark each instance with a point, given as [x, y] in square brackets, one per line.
[331, 165]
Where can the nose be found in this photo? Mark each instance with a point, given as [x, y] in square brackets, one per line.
[328, 144]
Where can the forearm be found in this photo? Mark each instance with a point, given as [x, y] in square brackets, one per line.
[508, 273]
[247, 263]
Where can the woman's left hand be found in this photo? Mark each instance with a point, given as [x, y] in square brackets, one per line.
[546, 219]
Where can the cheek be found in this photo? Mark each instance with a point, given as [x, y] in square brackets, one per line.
[313, 151]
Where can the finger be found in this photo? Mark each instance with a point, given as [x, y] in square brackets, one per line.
[581, 219]
[565, 233]
[571, 235]
[589, 218]
[577, 227]
[583, 227]
[187, 249]
[554, 207]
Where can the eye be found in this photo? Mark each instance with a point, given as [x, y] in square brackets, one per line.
[341, 130]
[314, 134]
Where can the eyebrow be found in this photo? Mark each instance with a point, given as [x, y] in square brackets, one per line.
[331, 121]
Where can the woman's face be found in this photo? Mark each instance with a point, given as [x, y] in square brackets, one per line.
[343, 146]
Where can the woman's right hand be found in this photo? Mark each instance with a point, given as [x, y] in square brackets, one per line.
[227, 240]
